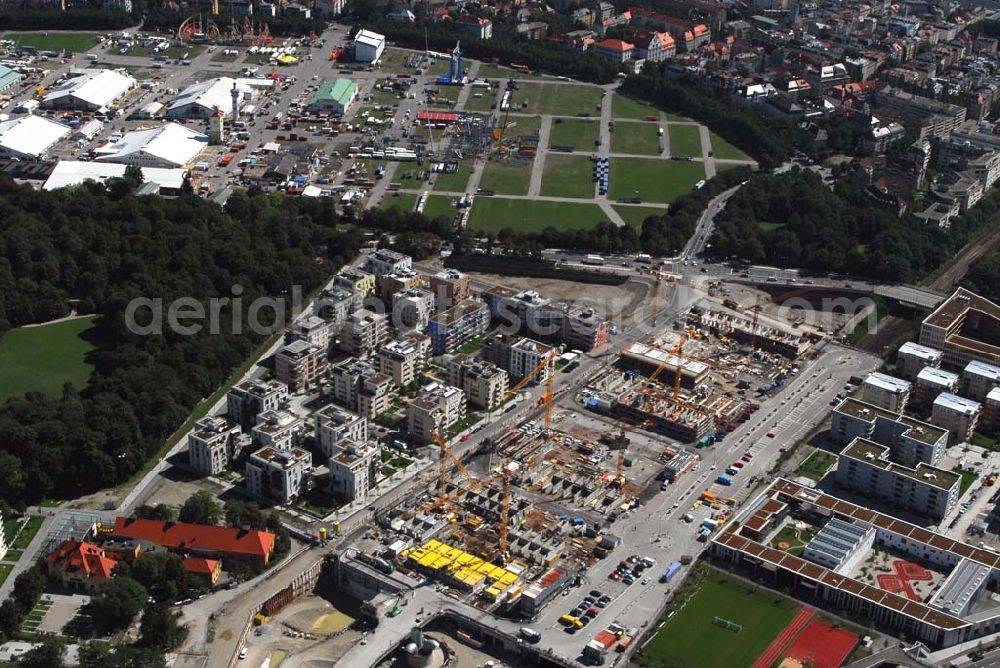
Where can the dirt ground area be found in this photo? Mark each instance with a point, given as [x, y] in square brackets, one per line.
[613, 300]
[324, 635]
[176, 487]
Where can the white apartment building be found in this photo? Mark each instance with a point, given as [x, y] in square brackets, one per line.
[383, 262]
[911, 441]
[405, 358]
[436, 408]
[359, 388]
[299, 363]
[336, 426]
[275, 429]
[250, 398]
[932, 382]
[484, 384]
[363, 332]
[277, 475]
[354, 470]
[212, 445]
[912, 357]
[864, 467]
[886, 391]
[956, 414]
[314, 330]
[412, 309]
[978, 378]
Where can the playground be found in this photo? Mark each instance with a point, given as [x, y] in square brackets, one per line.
[899, 582]
[793, 537]
[895, 575]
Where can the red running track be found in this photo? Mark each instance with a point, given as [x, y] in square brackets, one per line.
[770, 655]
[822, 646]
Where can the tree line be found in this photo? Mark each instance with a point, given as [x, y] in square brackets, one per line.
[99, 248]
[841, 229]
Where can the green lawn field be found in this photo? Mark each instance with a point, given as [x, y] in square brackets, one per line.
[523, 126]
[685, 141]
[511, 178]
[27, 534]
[636, 138]
[453, 182]
[816, 465]
[41, 359]
[53, 40]
[491, 71]
[726, 151]
[690, 638]
[634, 215]
[485, 101]
[627, 108]
[558, 99]
[578, 133]
[568, 176]
[492, 214]
[653, 180]
[436, 205]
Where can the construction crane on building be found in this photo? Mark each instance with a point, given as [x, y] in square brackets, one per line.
[753, 325]
[506, 474]
[622, 448]
[675, 353]
[446, 456]
[547, 362]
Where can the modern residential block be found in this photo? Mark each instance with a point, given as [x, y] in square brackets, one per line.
[363, 332]
[336, 426]
[436, 408]
[886, 391]
[911, 441]
[277, 475]
[463, 322]
[404, 358]
[313, 330]
[276, 429]
[912, 357]
[956, 414]
[354, 470]
[965, 328]
[930, 383]
[978, 379]
[298, 364]
[211, 446]
[359, 388]
[484, 383]
[383, 262]
[450, 287]
[250, 398]
[412, 309]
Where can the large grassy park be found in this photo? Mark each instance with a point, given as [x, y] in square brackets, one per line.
[53, 40]
[44, 358]
[660, 181]
[492, 214]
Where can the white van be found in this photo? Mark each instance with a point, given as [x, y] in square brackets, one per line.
[531, 635]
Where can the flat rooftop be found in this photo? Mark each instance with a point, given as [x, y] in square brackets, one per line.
[957, 305]
[872, 454]
[887, 382]
[865, 411]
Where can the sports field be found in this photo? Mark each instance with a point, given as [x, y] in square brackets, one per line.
[636, 138]
[692, 638]
[42, 359]
[660, 181]
[726, 151]
[492, 214]
[568, 176]
[578, 133]
[557, 99]
[635, 215]
[53, 40]
[685, 141]
[453, 182]
[510, 178]
[626, 108]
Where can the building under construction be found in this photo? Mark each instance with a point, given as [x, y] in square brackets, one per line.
[758, 336]
[649, 358]
[663, 415]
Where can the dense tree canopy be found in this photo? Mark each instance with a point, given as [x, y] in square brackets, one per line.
[984, 278]
[96, 249]
[796, 220]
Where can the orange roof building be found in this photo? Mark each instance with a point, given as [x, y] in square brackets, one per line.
[209, 568]
[201, 540]
[80, 564]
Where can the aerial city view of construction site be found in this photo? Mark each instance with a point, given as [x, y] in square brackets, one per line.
[472, 443]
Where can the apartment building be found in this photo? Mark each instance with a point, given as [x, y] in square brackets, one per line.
[246, 400]
[654, 46]
[989, 422]
[390, 284]
[436, 408]
[313, 330]
[616, 50]
[911, 441]
[359, 388]
[458, 325]
[886, 391]
[335, 427]
[405, 358]
[298, 364]
[211, 446]
[865, 467]
[930, 383]
[336, 304]
[484, 383]
[412, 309]
[584, 329]
[530, 314]
[450, 287]
[912, 357]
[965, 328]
[956, 414]
[922, 115]
[978, 379]
[363, 332]
[354, 470]
[277, 475]
[383, 262]
[276, 429]
[360, 283]
[518, 356]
